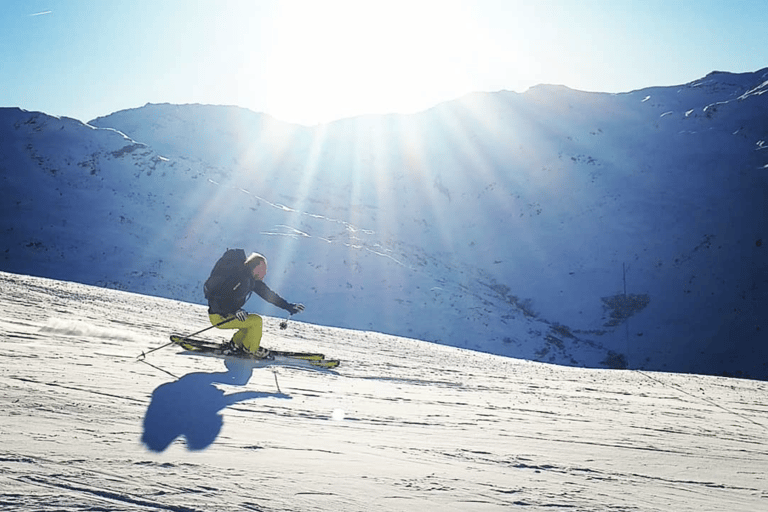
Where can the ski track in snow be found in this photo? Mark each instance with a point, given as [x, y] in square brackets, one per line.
[440, 429]
[291, 232]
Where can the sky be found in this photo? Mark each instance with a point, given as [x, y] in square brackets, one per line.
[310, 62]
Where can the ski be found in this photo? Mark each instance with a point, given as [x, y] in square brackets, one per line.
[196, 345]
[211, 347]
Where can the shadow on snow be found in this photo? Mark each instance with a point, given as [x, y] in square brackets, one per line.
[190, 407]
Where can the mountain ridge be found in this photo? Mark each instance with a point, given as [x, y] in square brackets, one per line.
[533, 225]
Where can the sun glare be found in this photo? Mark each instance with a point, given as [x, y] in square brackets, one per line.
[339, 59]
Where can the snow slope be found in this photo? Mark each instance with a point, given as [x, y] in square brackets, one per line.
[576, 228]
[402, 425]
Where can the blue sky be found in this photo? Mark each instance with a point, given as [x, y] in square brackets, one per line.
[316, 61]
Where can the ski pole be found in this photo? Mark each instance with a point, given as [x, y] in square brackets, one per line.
[144, 354]
[210, 327]
[284, 323]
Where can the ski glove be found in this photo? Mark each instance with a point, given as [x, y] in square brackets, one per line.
[295, 308]
[241, 315]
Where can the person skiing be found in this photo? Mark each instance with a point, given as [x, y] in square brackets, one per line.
[228, 288]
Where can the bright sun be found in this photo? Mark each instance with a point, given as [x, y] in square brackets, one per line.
[337, 59]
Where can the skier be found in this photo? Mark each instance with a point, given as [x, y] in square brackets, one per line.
[232, 280]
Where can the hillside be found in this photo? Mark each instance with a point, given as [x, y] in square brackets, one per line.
[586, 229]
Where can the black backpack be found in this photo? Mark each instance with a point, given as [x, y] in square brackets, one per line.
[222, 285]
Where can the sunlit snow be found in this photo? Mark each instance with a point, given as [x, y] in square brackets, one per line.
[401, 425]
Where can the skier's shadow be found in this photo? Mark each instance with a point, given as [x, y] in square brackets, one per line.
[190, 407]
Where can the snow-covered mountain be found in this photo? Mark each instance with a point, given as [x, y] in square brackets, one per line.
[556, 225]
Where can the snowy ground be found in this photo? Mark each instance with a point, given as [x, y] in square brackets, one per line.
[402, 424]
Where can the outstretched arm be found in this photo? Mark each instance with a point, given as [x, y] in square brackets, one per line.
[263, 291]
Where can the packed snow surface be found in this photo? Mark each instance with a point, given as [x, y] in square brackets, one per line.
[401, 425]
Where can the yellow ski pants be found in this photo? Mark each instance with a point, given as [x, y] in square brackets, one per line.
[249, 333]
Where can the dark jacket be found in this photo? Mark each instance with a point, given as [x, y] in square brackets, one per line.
[228, 301]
